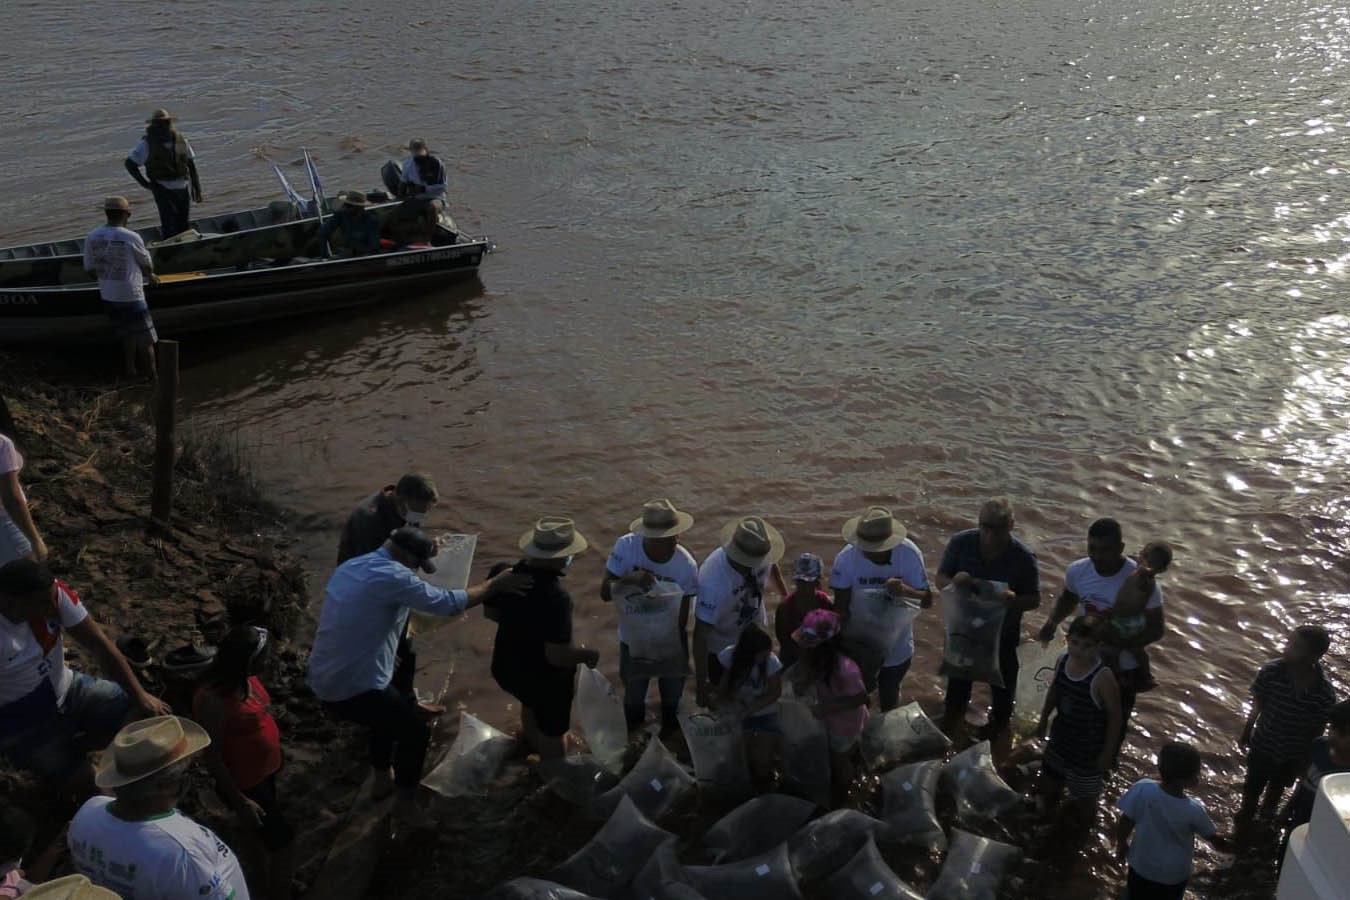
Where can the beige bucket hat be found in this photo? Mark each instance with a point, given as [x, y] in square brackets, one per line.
[160, 115]
[552, 537]
[660, 519]
[71, 887]
[354, 198]
[876, 529]
[149, 746]
[116, 204]
[752, 542]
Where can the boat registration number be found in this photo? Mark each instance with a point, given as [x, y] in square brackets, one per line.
[416, 259]
[18, 300]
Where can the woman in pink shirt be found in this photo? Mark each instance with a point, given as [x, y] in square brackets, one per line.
[841, 696]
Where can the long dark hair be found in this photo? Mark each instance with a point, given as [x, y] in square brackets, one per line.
[752, 642]
[821, 662]
[229, 670]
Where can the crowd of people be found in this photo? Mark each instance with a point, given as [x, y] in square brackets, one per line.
[740, 646]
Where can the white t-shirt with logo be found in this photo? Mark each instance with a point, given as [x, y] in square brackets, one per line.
[1097, 594]
[33, 674]
[141, 152]
[726, 601]
[169, 857]
[11, 460]
[628, 556]
[754, 686]
[855, 572]
[117, 255]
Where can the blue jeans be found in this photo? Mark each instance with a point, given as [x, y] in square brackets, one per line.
[635, 694]
[92, 712]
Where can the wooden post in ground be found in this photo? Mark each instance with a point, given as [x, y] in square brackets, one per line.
[166, 408]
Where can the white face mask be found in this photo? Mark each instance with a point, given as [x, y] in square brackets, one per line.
[413, 517]
[567, 562]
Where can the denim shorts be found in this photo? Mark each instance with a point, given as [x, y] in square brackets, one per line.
[93, 711]
[14, 544]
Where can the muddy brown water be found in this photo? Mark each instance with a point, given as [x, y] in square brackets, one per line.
[789, 258]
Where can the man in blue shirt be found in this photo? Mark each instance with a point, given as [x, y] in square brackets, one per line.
[991, 553]
[358, 227]
[366, 603]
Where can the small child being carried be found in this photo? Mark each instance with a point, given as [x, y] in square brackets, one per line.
[1126, 616]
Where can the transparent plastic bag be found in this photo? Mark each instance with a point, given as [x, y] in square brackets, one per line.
[768, 876]
[453, 562]
[577, 779]
[828, 843]
[899, 735]
[472, 761]
[655, 783]
[756, 826]
[534, 889]
[660, 872]
[981, 795]
[598, 713]
[876, 621]
[609, 860]
[717, 747]
[651, 629]
[866, 876]
[973, 623]
[1035, 674]
[804, 752]
[974, 867]
[909, 804]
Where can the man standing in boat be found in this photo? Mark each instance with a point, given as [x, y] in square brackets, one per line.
[116, 255]
[169, 169]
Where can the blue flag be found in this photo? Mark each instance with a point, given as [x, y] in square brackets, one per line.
[320, 204]
[303, 206]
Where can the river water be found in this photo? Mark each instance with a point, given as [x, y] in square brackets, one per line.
[789, 258]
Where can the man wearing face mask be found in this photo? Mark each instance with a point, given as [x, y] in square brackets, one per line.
[406, 503]
[351, 666]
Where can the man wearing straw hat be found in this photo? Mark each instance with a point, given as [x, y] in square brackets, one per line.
[169, 168]
[533, 657]
[359, 227]
[71, 887]
[116, 256]
[731, 585]
[879, 557]
[649, 553]
[351, 665]
[137, 843]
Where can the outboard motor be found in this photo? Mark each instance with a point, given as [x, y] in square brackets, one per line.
[391, 173]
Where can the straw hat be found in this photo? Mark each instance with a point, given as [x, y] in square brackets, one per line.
[116, 204]
[660, 519]
[354, 198]
[875, 529]
[71, 887]
[552, 537]
[417, 145]
[752, 542]
[160, 115]
[149, 746]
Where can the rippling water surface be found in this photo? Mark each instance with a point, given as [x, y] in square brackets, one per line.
[790, 258]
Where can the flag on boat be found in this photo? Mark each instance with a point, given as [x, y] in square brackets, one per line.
[302, 206]
[315, 183]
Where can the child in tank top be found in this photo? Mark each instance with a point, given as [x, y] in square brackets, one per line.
[1127, 612]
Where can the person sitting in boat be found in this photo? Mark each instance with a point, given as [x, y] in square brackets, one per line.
[359, 228]
[423, 175]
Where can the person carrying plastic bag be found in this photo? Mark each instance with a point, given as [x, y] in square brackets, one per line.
[879, 585]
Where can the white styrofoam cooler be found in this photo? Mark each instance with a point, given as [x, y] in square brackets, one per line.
[1318, 856]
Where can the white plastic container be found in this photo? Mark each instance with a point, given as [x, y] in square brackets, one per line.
[1318, 857]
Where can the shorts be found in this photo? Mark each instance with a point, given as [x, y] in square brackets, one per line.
[1264, 769]
[92, 712]
[549, 698]
[1140, 888]
[131, 321]
[841, 743]
[1080, 782]
[765, 723]
[14, 544]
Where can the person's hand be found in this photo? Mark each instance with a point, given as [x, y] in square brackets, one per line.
[965, 581]
[1245, 739]
[249, 812]
[154, 280]
[896, 588]
[1047, 632]
[703, 695]
[591, 658]
[640, 578]
[1009, 598]
[152, 705]
[197, 197]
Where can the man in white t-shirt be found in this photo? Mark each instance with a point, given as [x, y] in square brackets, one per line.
[649, 553]
[50, 715]
[170, 169]
[731, 585]
[1090, 586]
[138, 843]
[880, 558]
[117, 257]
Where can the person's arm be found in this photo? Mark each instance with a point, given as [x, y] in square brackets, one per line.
[426, 597]
[1068, 601]
[1051, 698]
[196, 182]
[780, 624]
[92, 638]
[1107, 692]
[638, 578]
[16, 505]
[1245, 739]
[898, 589]
[773, 690]
[776, 580]
[209, 711]
[686, 604]
[701, 686]
[1124, 828]
[565, 656]
[144, 262]
[1154, 627]
[843, 598]
[135, 171]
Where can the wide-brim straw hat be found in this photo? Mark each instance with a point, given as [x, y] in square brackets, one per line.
[160, 115]
[354, 198]
[71, 887]
[876, 529]
[552, 537]
[752, 542]
[660, 519]
[116, 204]
[151, 745]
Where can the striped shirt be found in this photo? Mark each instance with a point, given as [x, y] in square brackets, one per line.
[1290, 719]
[1078, 733]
